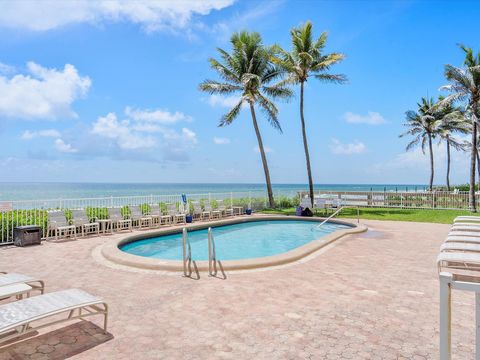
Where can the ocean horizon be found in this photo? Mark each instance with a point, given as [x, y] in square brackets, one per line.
[10, 191]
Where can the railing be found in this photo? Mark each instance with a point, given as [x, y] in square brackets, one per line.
[405, 200]
[212, 257]
[34, 212]
[328, 218]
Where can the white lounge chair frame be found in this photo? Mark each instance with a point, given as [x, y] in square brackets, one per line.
[57, 222]
[14, 278]
[176, 216]
[226, 211]
[81, 219]
[40, 307]
[139, 217]
[115, 214]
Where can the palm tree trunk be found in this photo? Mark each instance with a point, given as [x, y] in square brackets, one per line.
[430, 147]
[471, 194]
[448, 164]
[478, 167]
[264, 158]
[305, 146]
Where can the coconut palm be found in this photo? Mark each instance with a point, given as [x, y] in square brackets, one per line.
[304, 60]
[247, 70]
[464, 86]
[423, 126]
[452, 121]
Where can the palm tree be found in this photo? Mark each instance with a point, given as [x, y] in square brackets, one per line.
[248, 70]
[306, 59]
[423, 126]
[464, 86]
[452, 121]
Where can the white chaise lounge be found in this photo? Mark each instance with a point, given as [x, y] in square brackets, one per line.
[16, 318]
[7, 279]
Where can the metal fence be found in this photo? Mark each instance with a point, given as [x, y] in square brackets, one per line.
[443, 200]
[34, 212]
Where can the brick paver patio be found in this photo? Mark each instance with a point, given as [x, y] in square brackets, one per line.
[369, 296]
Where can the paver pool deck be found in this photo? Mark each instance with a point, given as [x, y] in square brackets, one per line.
[367, 296]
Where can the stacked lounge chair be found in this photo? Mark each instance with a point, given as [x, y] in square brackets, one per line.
[224, 211]
[139, 218]
[461, 249]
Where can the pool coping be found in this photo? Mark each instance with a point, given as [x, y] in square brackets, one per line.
[112, 252]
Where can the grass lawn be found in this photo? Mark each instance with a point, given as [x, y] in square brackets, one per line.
[420, 215]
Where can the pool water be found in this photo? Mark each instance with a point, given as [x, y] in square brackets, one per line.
[233, 242]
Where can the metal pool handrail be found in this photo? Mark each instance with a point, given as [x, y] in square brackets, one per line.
[187, 254]
[335, 213]
[212, 257]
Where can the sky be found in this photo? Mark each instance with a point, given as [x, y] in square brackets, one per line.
[108, 91]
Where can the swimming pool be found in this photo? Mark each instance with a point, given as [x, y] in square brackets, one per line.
[253, 239]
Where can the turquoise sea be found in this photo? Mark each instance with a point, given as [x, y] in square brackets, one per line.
[44, 191]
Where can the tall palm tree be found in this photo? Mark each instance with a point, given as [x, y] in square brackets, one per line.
[248, 70]
[423, 126]
[464, 86]
[304, 60]
[452, 121]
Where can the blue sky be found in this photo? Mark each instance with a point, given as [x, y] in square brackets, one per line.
[107, 92]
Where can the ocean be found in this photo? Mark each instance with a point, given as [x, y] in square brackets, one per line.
[45, 191]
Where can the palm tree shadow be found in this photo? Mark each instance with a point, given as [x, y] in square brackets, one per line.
[61, 344]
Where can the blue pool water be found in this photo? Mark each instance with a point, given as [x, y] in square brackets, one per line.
[234, 242]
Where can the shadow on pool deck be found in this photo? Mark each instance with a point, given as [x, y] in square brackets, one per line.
[59, 344]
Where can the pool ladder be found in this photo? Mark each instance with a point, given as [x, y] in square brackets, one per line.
[187, 257]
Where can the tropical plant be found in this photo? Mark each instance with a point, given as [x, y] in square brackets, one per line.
[303, 61]
[248, 70]
[464, 87]
[452, 121]
[423, 126]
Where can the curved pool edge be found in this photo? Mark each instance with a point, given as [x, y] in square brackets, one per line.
[111, 251]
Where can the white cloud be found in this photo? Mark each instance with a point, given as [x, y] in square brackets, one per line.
[223, 101]
[151, 15]
[6, 69]
[63, 147]
[29, 135]
[189, 135]
[265, 148]
[157, 116]
[129, 135]
[43, 93]
[339, 148]
[126, 138]
[221, 141]
[372, 118]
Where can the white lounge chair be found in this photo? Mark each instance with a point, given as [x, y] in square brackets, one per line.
[465, 227]
[215, 213]
[467, 219]
[225, 211]
[465, 239]
[460, 246]
[458, 260]
[139, 217]
[118, 220]
[155, 214]
[464, 233]
[207, 211]
[16, 318]
[7, 279]
[197, 210]
[176, 215]
[80, 219]
[58, 224]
